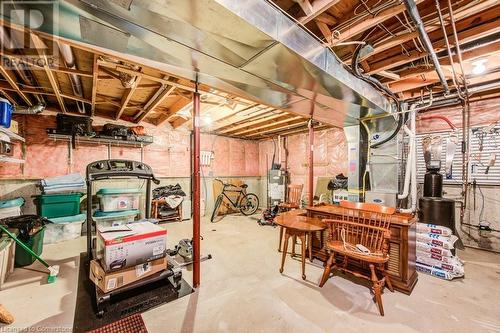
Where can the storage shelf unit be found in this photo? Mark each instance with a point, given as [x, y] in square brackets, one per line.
[91, 139]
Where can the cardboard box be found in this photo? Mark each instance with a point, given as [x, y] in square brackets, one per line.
[130, 245]
[107, 281]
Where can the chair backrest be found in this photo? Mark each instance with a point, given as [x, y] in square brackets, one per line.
[294, 193]
[353, 233]
[367, 213]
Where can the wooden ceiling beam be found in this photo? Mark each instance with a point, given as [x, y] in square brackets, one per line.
[181, 103]
[95, 75]
[9, 97]
[364, 25]
[54, 83]
[279, 127]
[258, 113]
[471, 11]
[286, 119]
[127, 96]
[20, 58]
[11, 79]
[250, 124]
[464, 37]
[315, 9]
[156, 100]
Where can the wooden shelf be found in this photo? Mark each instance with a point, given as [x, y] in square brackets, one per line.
[91, 139]
[11, 134]
[11, 160]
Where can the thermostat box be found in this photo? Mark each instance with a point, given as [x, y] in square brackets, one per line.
[130, 245]
[107, 281]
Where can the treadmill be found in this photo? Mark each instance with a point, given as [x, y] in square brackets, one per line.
[123, 169]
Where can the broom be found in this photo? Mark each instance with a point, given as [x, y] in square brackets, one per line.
[53, 270]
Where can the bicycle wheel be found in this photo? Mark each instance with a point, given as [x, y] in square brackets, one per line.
[249, 204]
[216, 208]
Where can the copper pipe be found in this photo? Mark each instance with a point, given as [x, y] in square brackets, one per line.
[196, 188]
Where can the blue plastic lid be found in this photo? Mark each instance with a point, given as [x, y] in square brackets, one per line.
[17, 202]
[105, 191]
[68, 219]
[117, 214]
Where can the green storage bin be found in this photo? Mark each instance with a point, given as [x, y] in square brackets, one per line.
[58, 205]
[35, 243]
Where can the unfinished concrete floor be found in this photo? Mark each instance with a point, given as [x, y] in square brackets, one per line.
[242, 291]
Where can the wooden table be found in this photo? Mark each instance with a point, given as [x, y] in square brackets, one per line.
[402, 251]
[298, 225]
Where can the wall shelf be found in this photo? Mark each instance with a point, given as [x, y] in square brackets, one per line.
[11, 134]
[91, 139]
[11, 160]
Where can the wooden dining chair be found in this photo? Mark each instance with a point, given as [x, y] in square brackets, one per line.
[293, 202]
[369, 228]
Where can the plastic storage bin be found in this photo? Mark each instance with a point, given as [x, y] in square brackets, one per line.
[11, 207]
[35, 243]
[114, 219]
[58, 205]
[114, 200]
[64, 228]
[5, 113]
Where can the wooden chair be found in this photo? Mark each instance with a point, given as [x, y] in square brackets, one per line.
[293, 202]
[368, 227]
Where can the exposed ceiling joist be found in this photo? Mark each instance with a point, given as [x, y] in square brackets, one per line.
[156, 100]
[127, 95]
[176, 107]
[40, 46]
[277, 128]
[285, 120]
[10, 77]
[464, 37]
[249, 124]
[256, 113]
[315, 9]
[95, 74]
[370, 23]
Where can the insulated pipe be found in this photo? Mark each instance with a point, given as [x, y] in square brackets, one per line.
[411, 7]
[311, 162]
[406, 187]
[196, 188]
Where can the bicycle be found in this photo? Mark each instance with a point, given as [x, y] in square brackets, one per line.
[247, 203]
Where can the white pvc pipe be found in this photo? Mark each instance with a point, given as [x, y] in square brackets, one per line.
[406, 188]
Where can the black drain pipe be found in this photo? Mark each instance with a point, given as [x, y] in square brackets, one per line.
[411, 8]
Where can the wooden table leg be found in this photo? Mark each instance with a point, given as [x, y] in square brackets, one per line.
[309, 245]
[303, 248]
[285, 248]
[281, 239]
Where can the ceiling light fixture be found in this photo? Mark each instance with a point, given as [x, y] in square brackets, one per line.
[479, 66]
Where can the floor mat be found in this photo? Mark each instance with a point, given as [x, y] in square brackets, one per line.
[139, 300]
[130, 324]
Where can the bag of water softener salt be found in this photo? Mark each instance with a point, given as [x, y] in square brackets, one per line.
[442, 274]
[424, 228]
[438, 240]
[428, 248]
[455, 268]
[453, 260]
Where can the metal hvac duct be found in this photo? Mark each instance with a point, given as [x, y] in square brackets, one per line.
[248, 48]
[76, 81]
